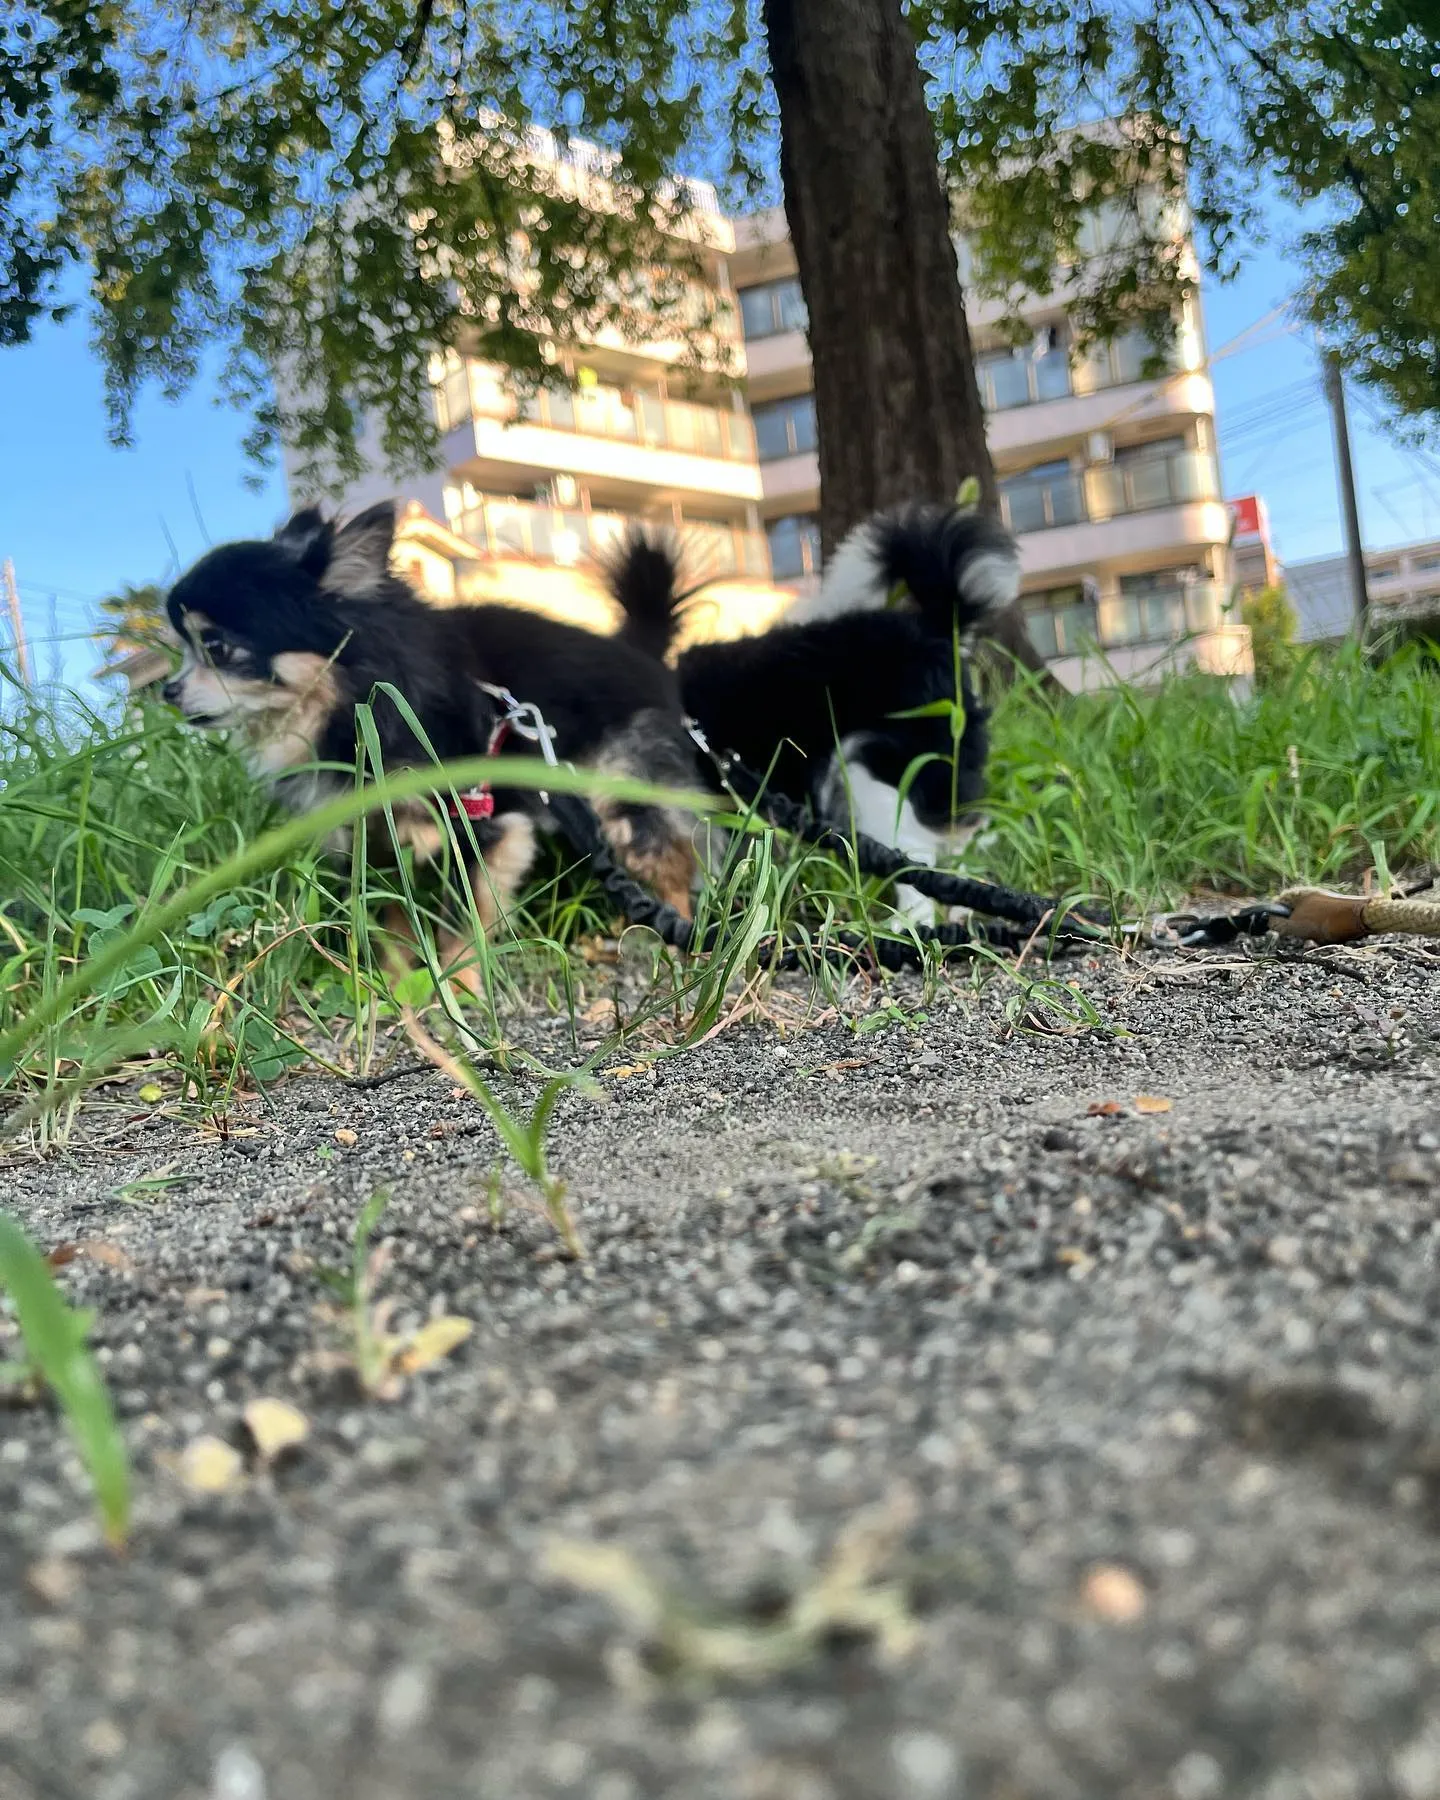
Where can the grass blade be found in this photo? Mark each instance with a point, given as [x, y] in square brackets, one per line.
[54, 1337]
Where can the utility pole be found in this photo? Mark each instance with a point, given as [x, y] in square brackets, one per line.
[1345, 469]
[17, 624]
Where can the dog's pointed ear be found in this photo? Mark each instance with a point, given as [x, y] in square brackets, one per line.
[307, 536]
[360, 564]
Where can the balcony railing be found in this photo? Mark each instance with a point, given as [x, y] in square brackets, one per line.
[566, 536]
[641, 419]
[1138, 484]
[1028, 504]
[1024, 380]
[1009, 381]
[1107, 491]
[1126, 621]
[1160, 615]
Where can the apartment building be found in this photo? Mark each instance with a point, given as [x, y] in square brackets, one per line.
[1403, 580]
[1108, 475]
[1405, 575]
[535, 488]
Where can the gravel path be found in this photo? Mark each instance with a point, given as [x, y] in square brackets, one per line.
[1126, 1422]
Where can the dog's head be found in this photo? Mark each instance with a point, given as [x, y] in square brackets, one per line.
[264, 629]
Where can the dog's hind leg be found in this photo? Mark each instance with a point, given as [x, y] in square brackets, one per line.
[854, 798]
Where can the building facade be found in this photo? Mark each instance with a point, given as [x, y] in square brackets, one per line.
[1108, 474]
[1406, 578]
[535, 488]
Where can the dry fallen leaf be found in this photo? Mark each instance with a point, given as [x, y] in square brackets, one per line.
[55, 1579]
[432, 1343]
[344, 1135]
[626, 1070]
[96, 1249]
[210, 1466]
[1113, 1594]
[197, 1297]
[1103, 1109]
[275, 1425]
[1152, 1103]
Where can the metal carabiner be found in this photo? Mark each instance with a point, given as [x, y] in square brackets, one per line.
[526, 720]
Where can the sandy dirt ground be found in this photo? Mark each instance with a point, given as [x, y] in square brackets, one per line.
[936, 1415]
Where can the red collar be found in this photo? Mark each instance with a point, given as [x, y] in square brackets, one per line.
[478, 802]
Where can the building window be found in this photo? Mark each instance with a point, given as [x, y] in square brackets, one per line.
[794, 546]
[785, 427]
[774, 307]
[1050, 494]
[1019, 377]
[1061, 621]
[1123, 361]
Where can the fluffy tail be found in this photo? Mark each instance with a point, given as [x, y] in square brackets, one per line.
[956, 566]
[643, 576]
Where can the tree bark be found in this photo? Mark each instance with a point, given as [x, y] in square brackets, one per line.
[897, 404]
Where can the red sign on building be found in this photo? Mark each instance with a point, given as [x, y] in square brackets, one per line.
[1251, 519]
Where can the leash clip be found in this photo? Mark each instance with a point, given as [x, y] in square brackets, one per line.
[526, 720]
[722, 759]
[1224, 928]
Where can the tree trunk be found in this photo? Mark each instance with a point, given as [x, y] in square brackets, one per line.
[897, 404]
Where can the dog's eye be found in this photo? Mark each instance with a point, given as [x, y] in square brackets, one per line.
[215, 649]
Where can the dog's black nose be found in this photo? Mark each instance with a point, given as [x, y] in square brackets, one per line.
[170, 693]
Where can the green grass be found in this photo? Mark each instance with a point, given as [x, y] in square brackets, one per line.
[1149, 796]
[154, 905]
[56, 1352]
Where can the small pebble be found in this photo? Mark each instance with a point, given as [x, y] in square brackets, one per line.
[1197, 1777]
[927, 1765]
[236, 1776]
[55, 1580]
[103, 1739]
[1113, 1594]
[405, 1700]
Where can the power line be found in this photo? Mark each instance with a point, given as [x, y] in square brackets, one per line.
[1233, 346]
[1281, 422]
[1297, 396]
[38, 583]
[1414, 454]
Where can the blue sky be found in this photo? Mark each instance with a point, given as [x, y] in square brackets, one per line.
[80, 517]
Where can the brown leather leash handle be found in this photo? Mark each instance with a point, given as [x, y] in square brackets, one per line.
[1320, 917]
